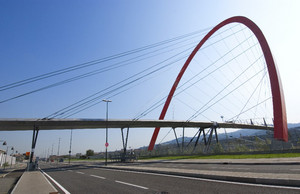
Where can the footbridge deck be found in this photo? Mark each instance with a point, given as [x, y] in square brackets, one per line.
[61, 124]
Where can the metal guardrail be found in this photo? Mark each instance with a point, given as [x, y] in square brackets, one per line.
[123, 158]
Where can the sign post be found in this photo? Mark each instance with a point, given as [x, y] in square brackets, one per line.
[106, 144]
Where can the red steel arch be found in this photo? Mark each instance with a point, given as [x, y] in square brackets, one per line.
[279, 111]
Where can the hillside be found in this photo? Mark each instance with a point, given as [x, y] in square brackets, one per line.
[241, 133]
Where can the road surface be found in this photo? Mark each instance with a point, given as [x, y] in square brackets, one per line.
[92, 179]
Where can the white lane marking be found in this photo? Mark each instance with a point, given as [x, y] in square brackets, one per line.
[207, 180]
[230, 168]
[237, 168]
[79, 172]
[70, 170]
[100, 177]
[61, 187]
[7, 174]
[13, 191]
[138, 186]
[294, 169]
[49, 182]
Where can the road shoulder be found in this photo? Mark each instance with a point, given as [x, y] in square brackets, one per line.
[33, 182]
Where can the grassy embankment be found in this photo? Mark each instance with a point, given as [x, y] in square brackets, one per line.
[246, 156]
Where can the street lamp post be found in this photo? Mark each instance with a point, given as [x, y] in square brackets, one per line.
[12, 156]
[4, 143]
[106, 141]
[70, 147]
[58, 149]
[58, 146]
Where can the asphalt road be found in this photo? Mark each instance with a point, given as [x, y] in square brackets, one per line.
[90, 179]
[9, 180]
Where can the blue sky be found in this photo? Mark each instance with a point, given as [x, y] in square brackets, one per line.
[37, 37]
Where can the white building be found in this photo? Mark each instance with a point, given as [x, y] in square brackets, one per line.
[6, 158]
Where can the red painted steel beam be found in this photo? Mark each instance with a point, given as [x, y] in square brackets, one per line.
[279, 111]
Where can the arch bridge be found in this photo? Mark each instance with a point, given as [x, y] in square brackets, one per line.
[279, 110]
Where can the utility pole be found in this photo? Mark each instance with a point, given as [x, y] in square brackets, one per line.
[58, 146]
[47, 155]
[106, 142]
[228, 147]
[182, 139]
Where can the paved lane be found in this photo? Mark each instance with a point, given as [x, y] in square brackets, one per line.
[79, 181]
[84, 179]
[256, 168]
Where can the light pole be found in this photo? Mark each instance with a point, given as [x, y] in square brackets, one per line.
[106, 141]
[58, 149]
[4, 143]
[47, 159]
[58, 146]
[12, 156]
[70, 147]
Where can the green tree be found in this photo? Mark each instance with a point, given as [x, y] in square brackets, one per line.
[6, 164]
[298, 142]
[241, 148]
[89, 152]
[218, 149]
[260, 144]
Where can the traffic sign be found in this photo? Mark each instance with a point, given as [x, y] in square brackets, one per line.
[106, 144]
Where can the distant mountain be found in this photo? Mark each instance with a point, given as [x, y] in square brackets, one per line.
[244, 132]
[235, 134]
[221, 136]
[293, 125]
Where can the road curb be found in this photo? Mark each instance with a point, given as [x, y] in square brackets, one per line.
[17, 184]
[4, 175]
[33, 182]
[253, 180]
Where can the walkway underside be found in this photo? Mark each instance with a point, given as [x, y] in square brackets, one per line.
[61, 124]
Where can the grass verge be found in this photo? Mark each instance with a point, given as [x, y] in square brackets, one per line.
[246, 156]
